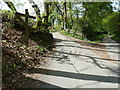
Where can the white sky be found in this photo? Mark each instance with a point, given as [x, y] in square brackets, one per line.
[21, 8]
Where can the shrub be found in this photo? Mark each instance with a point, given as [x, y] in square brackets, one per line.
[8, 18]
[112, 24]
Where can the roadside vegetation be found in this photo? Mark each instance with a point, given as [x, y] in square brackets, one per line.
[90, 21]
[18, 56]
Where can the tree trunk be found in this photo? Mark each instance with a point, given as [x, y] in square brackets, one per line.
[38, 17]
[65, 16]
[46, 6]
[71, 22]
[17, 17]
[10, 5]
[63, 21]
[27, 28]
[77, 13]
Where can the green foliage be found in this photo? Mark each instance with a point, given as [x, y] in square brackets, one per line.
[93, 15]
[96, 10]
[78, 36]
[41, 49]
[112, 24]
[57, 27]
[77, 25]
[7, 18]
[98, 19]
[70, 34]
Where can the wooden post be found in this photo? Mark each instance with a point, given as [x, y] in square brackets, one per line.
[26, 15]
[27, 28]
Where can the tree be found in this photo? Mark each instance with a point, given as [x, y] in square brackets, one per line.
[10, 5]
[61, 9]
[37, 10]
[65, 16]
[47, 12]
[60, 12]
[17, 17]
[19, 20]
[111, 23]
[70, 14]
[46, 7]
[94, 12]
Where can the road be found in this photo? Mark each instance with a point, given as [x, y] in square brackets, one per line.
[72, 65]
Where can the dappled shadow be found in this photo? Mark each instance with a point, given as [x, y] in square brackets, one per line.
[102, 50]
[91, 57]
[109, 42]
[61, 40]
[88, 48]
[94, 62]
[63, 59]
[86, 56]
[110, 79]
[116, 46]
[101, 66]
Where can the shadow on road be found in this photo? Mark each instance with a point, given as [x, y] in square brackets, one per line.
[91, 57]
[110, 79]
[34, 84]
[89, 48]
[80, 76]
[85, 56]
[103, 46]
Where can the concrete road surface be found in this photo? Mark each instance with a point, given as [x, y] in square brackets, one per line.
[74, 66]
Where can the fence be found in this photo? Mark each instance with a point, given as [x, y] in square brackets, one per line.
[26, 15]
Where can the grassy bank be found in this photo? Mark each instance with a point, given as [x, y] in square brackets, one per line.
[78, 36]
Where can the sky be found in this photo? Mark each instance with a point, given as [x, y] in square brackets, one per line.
[21, 8]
